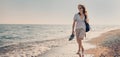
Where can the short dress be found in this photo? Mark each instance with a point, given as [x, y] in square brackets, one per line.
[79, 26]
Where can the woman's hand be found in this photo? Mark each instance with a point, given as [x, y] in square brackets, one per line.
[72, 32]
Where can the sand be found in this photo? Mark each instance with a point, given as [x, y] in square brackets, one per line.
[91, 45]
[68, 50]
[71, 47]
[100, 42]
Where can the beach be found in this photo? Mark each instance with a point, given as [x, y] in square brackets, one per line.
[58, 46]
[44, 28]
[108, 44]
[92, 47]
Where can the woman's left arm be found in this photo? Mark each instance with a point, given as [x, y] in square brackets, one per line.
[87, 20]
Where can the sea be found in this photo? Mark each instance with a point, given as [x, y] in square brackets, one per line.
[20, 33]
[11, 34]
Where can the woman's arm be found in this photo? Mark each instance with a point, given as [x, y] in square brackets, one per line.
[73, 26]
[87, 20]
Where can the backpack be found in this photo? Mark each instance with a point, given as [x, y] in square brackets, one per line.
[87, 25]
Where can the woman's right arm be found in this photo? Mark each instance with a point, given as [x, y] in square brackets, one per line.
[73, 26]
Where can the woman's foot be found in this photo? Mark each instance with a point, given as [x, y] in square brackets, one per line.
[79, 55]
[78, 52]
[82, 53]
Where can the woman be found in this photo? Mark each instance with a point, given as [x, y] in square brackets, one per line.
[79, 22]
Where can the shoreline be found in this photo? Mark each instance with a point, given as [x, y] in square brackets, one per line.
[70, 49]
[30, 49]
[55, 47]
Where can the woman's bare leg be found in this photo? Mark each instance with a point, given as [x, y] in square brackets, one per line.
[78, 41]
[82, 49]
[79, 46]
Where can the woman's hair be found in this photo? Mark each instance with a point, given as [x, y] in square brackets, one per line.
[84, 10]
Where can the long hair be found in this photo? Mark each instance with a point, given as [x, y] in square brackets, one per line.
[84, 10]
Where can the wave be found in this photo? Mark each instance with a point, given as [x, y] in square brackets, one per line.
[29, 49]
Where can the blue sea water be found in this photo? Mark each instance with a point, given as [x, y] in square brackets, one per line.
[16, 33]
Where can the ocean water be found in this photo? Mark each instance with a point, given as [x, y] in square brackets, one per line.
[17, 33]
[30, 40]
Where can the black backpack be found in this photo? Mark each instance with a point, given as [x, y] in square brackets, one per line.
[87, 25]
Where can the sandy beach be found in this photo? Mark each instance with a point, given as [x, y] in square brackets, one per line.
[92, 46]
[107, 44]
[70, 49]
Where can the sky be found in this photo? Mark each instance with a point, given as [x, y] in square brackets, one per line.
[100, 12]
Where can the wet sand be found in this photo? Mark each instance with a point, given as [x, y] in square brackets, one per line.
[91, 45]
[71, 47]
